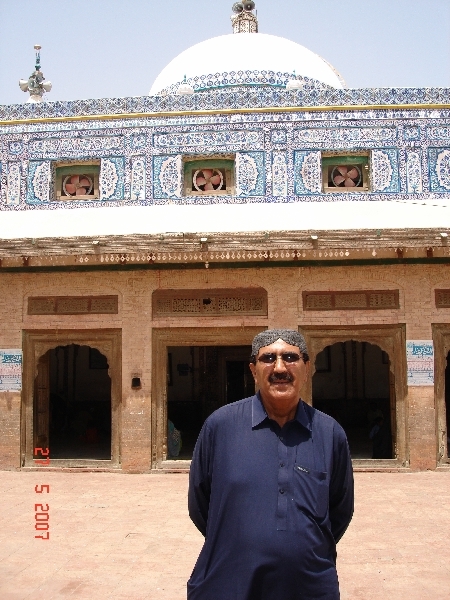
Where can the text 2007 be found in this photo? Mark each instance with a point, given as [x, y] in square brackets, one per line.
[41, 511]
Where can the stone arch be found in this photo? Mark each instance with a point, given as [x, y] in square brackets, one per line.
[390, 339]
[36, 344]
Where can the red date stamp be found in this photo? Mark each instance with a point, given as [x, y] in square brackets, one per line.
[41, 511]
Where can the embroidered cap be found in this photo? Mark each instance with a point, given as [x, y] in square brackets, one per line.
[290, 336]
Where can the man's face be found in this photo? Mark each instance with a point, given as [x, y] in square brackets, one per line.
[280, 382]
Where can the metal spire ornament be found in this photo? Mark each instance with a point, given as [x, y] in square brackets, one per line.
[243, 19]
[36, 84]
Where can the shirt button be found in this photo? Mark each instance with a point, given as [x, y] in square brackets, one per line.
[281, 464]
[281, 491]
[281, 438]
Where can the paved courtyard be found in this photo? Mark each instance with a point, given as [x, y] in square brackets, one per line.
[128, 537]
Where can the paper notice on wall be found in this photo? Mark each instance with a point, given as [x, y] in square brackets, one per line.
[420, 362]
[10, 370]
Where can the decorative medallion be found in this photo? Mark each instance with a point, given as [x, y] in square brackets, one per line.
[170, 176]
[381, 171]
[13, 184]
[108, 179]
[41, 182]
[246, 174]
[443, 169]
[138, 178]
[308, 175]
[413, 172]
[279, 174]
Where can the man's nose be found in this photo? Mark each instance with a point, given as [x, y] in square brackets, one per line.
[279, 365]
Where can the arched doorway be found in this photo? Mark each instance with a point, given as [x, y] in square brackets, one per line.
[353, 383]
[72, 403]
[201, 379]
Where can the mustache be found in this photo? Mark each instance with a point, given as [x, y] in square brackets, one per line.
[277, 377]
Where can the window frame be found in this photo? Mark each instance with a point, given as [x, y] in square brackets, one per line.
[329, 159]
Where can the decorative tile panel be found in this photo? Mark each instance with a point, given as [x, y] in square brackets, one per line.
[167, 176]
[13, 183]
[279, 174]
[413, 172]
[209, 139]
[39, 177]
[250, 176]
[279, 136]
[438, 133]
[384, 166]
[112, 179]
[77, 147]
[138, 178]
[439, 169]
[411, 133]
[16, 147]
[345, 136]
[307, 172]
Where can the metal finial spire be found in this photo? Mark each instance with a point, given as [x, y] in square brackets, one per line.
[243, 19]
[36, 84]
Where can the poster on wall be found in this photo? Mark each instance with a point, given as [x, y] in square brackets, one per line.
[420, 362]
[10, 370]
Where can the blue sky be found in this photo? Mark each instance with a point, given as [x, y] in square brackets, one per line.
[116, 48]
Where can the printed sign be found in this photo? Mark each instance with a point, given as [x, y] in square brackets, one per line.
[10, 370]
[420, 361]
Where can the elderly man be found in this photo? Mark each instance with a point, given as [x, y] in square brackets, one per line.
[271, 487]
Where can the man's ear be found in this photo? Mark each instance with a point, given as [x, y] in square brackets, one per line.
[253, 370]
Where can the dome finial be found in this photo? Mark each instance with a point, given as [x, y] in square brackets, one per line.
[36, 83]
[243, 19]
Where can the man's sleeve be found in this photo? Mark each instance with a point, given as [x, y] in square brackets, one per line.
[200, 480]
[341, 486]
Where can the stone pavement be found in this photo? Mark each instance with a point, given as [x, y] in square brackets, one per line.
[128, 537]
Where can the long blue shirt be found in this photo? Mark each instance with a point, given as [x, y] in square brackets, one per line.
[271, 501]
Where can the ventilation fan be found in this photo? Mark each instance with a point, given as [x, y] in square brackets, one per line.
[346, 176]
[77, 185]
[207, 180]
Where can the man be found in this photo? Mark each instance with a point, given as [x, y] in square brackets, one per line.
[271, 487]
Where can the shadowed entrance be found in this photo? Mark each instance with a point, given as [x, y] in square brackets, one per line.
[353, 384]
[72, 403]
[200, 380]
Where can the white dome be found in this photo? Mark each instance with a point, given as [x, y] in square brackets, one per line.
[246, 52]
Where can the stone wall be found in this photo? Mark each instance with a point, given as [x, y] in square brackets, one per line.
[416, 284]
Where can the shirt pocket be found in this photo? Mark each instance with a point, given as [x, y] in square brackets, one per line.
[311, 491]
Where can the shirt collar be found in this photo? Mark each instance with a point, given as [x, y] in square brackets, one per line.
[259, 413]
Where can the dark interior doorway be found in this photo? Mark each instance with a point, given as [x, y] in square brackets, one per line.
[353, 384]
[72, 403]
[447, 403]
[200, 380]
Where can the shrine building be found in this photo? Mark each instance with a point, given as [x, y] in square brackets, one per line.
[144, 241]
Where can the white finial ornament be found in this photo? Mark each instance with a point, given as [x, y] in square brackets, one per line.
[36, 84]
[243, 19]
